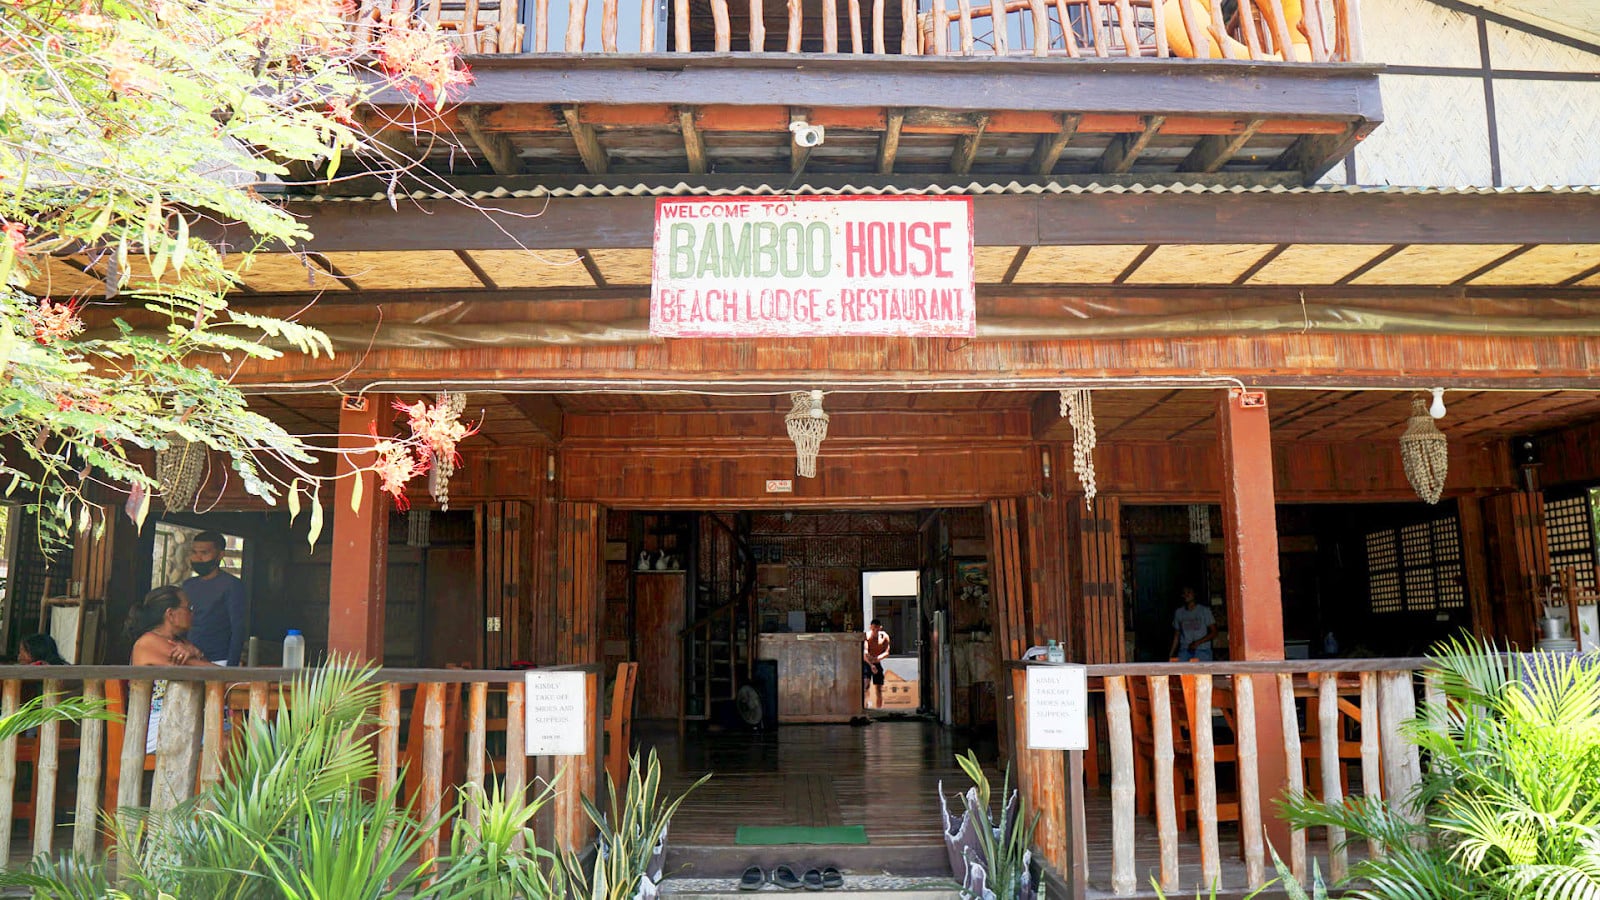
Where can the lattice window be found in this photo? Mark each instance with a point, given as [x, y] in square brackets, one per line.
[1416, 568]
[1383, 572]
[1570, 530]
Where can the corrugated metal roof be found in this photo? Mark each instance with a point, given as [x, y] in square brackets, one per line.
[684, 189]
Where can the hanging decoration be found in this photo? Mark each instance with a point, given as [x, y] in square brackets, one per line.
[1199, 523]
[1424, 452]
[179, 469]
[444, 464]
[417, 521]
[1078, 410]
[808, 426]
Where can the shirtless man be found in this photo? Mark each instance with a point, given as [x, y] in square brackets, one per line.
[873, 651]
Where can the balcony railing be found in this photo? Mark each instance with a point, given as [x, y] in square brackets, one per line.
[1319, 31]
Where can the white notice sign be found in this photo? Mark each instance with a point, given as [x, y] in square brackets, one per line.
[554, 714]
[1058, 707]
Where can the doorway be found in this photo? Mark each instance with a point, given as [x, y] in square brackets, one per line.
[892, 599]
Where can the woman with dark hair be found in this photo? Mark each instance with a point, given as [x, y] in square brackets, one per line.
[39, 650]
[159, 627]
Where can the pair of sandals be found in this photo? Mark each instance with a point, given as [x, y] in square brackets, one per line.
[825, 879]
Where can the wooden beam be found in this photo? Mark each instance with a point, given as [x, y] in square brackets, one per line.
[889, 143]
[541, 411]
[495, 146]
[1048, 151]
[966, 149]
[322, 262]
[1220, 88]
[1011, 220]
[694, 148]
[1314, 154]
[593, 268]
[1213, 151]
[1124, 149]
[594, 156]
[477, 270]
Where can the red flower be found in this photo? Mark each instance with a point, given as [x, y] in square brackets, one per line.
[52, 321]
[418, 61]
[396, 466]
[436, 429]
[18, 240]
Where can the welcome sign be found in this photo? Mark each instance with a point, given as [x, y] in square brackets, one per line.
[813, 267]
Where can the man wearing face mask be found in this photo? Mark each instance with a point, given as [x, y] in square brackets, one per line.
[221, 619]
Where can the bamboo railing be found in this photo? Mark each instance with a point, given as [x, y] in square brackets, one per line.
[1320, 31]
[1148, 718]
[453, 713]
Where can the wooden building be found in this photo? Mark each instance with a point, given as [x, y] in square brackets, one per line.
[1253, 265]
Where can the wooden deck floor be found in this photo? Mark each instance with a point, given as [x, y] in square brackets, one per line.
[884, 776]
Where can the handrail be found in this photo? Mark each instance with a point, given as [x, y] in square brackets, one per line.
[242, 674]
[1244, 667]
[1260, 30]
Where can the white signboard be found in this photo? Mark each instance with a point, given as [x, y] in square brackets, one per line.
[1058, 707]
[813, 267]
[553, 716]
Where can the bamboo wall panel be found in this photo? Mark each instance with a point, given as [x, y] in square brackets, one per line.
[1568, 455]
[1098, 529]
[712, 475]
[578, 577]
[1519, 559]
[1447, 358]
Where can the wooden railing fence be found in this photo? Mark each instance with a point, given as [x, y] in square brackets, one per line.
[450, 743]
[1260, 30]
[1165, 747]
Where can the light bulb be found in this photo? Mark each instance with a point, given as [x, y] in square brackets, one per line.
[1436, 409]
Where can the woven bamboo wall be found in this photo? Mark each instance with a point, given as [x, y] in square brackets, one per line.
[1437, 128]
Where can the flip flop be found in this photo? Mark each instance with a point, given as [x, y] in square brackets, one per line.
[753, 879]
[784, 877]
[832, 879]
[813, 880]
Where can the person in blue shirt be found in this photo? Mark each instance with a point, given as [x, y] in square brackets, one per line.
[221, 616]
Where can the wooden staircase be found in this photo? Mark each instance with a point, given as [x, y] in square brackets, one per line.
[719, 641]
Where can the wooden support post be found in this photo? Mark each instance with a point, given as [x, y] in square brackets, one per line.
[1475, 566]
[360, 537]
[10, 700]
[1294, 764]
[46, 773]
[1165, 756]
[1205, 783]
[1402, 768]
[1332, 786]
[1041, 776]
[1119, 730]
[1255, 598]
[477, 735]
[432, 801]
[90, 747]
[177, 745]
[388, 737]
[1371, 762]
[211, 748]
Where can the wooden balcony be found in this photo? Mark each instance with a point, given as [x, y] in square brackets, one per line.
[1039, 89]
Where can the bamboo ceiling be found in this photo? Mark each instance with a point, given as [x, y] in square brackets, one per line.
[1275, 265]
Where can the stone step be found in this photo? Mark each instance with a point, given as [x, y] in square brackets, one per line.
[729, 860]
[856, 887]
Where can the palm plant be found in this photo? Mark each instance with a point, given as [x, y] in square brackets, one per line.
[632, 834]
[1509, 804]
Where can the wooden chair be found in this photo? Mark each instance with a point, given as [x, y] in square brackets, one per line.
[619, 724]
[1223, 752]
[1144, 756]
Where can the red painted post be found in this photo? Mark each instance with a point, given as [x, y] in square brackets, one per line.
[360, 537]
[1255, 598]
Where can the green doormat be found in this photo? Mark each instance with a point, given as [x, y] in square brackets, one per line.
[760, 835]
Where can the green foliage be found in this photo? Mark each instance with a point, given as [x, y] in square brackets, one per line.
[629, 835]
[1005, 843]
[1291, 885]
[1509, 804]
[66, 709]
[126, 126]
[293, 818]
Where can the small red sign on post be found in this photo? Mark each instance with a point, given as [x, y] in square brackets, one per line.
[813, 267]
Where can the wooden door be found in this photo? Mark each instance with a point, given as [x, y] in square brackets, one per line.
[505, 562]
[659, 609]
[454, 618]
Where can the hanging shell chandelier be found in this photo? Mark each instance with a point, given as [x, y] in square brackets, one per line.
[1424, 452]
[179, 469]
[444, 464]
[1078, 409]
[808, 426]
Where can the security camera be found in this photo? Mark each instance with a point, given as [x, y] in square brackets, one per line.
[806, 134]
